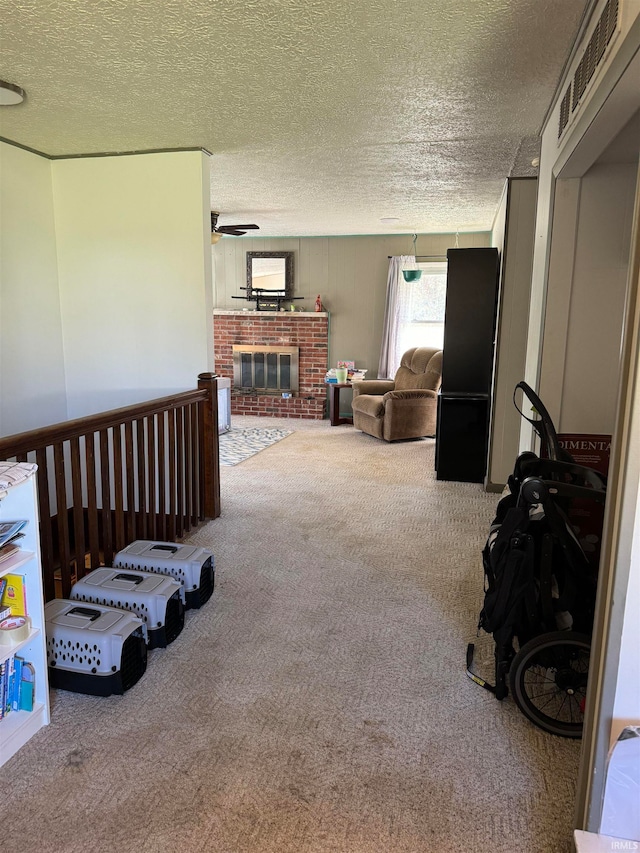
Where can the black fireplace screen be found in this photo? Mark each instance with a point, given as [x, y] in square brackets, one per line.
[268, 370]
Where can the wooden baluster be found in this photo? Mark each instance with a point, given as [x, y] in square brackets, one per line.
[142, 480]
[162, 478]
[131, 482]
[79, 549]
[171, 525]
[201, 461]
[92, 500]
[209, 452]
[63, 519]
[151, 472]
[195, 478]
[118, 484]
[105, 476]
[46, 533]
[188, 470]
[180, 472]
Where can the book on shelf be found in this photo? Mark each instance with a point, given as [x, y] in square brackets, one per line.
[14, 690]
[8, 550]
[17, 684]
[4, 676]
[27, 686]
[4, 610]
[10, 530]
[5, 679]
[14, 595]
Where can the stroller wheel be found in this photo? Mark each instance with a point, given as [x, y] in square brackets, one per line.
[548, 681]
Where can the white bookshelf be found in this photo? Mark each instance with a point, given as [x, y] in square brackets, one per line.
[18, 726]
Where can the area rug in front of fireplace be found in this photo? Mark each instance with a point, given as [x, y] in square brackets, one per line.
[239, 444]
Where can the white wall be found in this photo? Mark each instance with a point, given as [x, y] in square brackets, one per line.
[349, 273]
[594, 332]
[500, 221]
[588, 271]
[32, 381]
[516, 225]
[134, 270]
[105, 282]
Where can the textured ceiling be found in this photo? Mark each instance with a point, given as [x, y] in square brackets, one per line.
[322, 116]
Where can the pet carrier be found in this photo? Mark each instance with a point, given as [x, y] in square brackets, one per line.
[539, 586]
[94, 649]
[191, 565]
[156, 599]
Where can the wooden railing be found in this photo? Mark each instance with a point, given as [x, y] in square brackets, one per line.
[149, 471]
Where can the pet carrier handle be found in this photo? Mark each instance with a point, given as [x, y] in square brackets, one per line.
[89, 612]
[544, 427]
[132, 578]
[170, 548]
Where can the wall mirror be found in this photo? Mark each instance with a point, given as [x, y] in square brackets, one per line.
[269, 272]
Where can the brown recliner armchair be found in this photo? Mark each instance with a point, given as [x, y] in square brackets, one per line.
[406, 407]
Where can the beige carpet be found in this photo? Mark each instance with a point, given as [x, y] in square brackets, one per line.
[319, 701]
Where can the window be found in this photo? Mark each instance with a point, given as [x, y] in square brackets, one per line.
[421, 320]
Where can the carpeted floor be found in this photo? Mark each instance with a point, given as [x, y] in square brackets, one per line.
[319, 701]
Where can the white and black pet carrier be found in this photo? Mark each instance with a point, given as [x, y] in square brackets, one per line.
[191, 565]
[94, 649]
[158, 600]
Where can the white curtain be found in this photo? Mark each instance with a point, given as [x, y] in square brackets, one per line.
[396, 313]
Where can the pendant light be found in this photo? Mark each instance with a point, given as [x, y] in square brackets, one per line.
[415, 274]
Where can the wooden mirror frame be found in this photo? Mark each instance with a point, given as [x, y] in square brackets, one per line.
[288, 271]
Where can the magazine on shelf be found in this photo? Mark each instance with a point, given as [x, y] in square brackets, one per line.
[10, 530]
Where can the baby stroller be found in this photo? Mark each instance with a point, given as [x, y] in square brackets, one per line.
[540, 589]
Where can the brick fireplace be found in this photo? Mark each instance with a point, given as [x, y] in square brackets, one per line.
[306, 331]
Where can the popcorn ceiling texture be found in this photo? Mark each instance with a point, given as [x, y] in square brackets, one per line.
[322, 115]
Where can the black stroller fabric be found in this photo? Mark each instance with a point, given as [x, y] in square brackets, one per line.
[537, 577]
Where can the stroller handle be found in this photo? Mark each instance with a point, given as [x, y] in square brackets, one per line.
[544, 426]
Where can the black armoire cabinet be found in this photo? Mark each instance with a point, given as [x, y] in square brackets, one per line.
[464, 401]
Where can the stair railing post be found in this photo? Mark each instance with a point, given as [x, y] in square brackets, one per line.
[209, 446]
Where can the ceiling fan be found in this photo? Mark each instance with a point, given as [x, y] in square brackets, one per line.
[234, 230]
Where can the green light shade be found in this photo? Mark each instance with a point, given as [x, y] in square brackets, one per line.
[411, 275]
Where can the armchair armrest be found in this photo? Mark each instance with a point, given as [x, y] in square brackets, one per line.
[372, 386]
[411, 394]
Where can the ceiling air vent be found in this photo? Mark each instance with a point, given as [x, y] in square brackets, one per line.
[591, 58]
[565, 107]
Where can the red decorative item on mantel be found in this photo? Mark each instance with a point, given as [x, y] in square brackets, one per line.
[319, 304]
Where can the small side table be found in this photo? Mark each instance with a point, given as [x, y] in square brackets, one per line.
[334, 403]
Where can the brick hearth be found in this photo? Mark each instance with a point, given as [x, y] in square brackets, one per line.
[308, 332]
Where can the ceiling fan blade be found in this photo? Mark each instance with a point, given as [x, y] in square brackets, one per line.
[247, 227]
[225, 229]
[228, 230]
